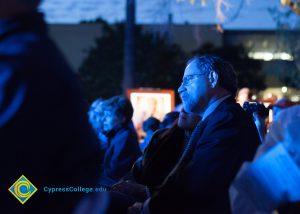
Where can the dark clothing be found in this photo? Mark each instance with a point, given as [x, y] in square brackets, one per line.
[160, 157]
[44, 131]
[215, 152]
[123, 150]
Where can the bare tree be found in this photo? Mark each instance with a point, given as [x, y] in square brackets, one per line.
[129, 42]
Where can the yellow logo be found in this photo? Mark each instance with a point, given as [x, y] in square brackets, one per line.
[22, 189]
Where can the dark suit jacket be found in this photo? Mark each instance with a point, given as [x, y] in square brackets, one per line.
[44, 131]
[216, 150]
[160, 157]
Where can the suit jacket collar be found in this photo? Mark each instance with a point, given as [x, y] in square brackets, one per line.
[201, 125]
[213, 106]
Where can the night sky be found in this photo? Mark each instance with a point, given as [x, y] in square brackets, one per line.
[253, 15]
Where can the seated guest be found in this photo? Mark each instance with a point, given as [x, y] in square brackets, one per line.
[260, 120]
[169, 119]
[94, 115]
[280, 105]
[123, 149]
[149, 126]
[160, 157]
[164, 151]
[224, 138]
[96, 120]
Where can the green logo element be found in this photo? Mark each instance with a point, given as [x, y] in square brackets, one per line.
[22, 189]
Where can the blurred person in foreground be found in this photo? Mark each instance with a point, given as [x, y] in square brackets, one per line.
[224, 138]
[44, 131]
[283, 131]
[123, 149]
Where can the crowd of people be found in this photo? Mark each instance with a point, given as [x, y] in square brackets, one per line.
[211, 157]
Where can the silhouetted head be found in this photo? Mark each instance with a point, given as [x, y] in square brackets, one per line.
[169, 119]
[151, 124]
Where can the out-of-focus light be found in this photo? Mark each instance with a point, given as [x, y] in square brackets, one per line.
[270, 95]
[293, 4]
[268, 56]
[283, 56]
[295, 98]
[203, 3]
[192, 2]
[284, 89]
[285, 2]
[254, 97]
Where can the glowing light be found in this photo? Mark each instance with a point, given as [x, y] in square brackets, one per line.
[270, 95]
[254, 97]
[268, 56]
[192, 2]
[293, 4]
[284, 89]
[203, 3]
[285, 2]
[295, 98]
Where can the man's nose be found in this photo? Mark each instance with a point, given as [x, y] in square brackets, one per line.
[181, 88]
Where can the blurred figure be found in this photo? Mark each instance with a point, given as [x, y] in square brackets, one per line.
[244, 95]
[149, 126]
[260, 115]
[169, 119]
[44, 130]
[96, 120]
[261, 120]
[279, 105]
[285, 131]
[123, 149]
[95, 114]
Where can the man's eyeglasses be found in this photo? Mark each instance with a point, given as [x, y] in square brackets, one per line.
[189, 78]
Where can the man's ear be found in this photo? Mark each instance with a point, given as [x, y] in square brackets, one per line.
[213, 78]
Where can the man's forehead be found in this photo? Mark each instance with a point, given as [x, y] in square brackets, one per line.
[192, 68]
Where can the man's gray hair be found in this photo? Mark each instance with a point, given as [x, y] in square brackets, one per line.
[226, 75]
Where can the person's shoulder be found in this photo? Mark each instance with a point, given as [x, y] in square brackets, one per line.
[125, 134]
[230, 113]
[230, 107]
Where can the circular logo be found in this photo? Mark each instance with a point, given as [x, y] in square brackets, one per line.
[22, 189]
